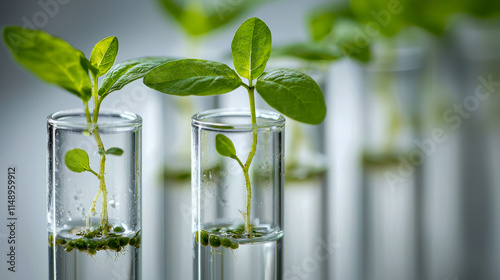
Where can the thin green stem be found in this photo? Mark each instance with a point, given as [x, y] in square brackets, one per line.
[95, 88]
[97, 101]
[92, 207]
[239, 162]
[93, 172]
[87, 112]
[102, 187]
[97, 107]
[246, 167]
[102, 184]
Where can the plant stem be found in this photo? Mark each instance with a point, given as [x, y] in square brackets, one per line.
[102, 184]
[87, 112]
[246, 167]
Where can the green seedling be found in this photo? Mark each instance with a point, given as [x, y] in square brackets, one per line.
[290, 92]
[57, 62]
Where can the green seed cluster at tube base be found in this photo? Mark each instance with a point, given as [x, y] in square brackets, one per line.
[94, 241]
[202, 237]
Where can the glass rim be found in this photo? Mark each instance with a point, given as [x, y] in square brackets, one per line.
[121, 119]
[273, 119]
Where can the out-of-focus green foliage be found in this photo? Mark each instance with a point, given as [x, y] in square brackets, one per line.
[390, 16]
[333, 35]
[351, 27]
[478, 8]
[198, 17]
[309, 51]
[430, 15]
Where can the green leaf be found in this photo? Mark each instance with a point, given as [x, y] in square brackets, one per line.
[357, 49]
[320, 24]
[50, 58]
[369, 12]
[309, 51]
[104, 54]
[193, 77]
[225, 146]
[198, 18]
[347, 38]
[127, 72]
[114, 151]
[77, 160]
[251, 48]
[294, 94]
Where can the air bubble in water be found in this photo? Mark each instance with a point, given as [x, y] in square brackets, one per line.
[113, 203]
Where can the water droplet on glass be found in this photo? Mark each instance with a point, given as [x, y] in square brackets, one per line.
[113, 203]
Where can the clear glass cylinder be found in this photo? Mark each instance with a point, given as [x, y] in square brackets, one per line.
[391, 164]
[223, 247]
[306, 194]
[178, 111]
[94, 224]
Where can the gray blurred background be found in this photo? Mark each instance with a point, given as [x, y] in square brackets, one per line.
[409, 188]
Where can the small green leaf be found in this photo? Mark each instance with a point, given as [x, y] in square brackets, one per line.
[388, 23]
[225, 146]
[322, 19]
[294, 94]
[114, 151]
[321, 25]
[357, 49]
[198, 18]
[104, 54]
[348, 40]
[50, 58]
[193, 77]
[251, 48]
[77, 160]
[309, 51]
[101, 151]
[127, 72]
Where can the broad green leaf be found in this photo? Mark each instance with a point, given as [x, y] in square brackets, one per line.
[309, 51]
[320, 25]
[225, 146]
[348, 39]
[359, 50]
[193, 77]
[77, 160]
[50, 58]
[114, 151]
[251, 48]
[294, 94]
[198, 18]
[432, 16]
[127, 72]
[104, 54]
[322, 20]
[384, 16]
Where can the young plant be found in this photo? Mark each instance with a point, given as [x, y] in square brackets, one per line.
[57, 62]
[291, 92]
